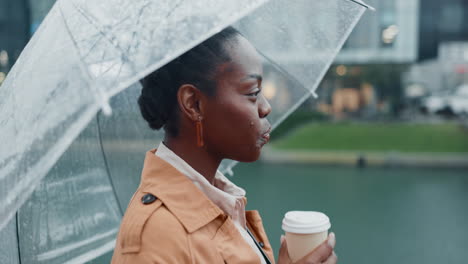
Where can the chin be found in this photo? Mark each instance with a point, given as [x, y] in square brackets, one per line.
[250, 157]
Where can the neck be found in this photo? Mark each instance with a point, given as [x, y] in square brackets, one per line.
[197, 157]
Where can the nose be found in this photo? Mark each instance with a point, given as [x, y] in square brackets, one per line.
[264, 108]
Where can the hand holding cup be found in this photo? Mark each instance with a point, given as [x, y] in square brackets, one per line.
[322, 254]
[306, 239]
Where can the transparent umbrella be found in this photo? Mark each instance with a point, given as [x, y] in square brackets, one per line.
[67, 171]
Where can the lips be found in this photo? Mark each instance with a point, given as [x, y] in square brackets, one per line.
[266, 136]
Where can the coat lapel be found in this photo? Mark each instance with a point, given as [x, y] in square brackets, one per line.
[232, 245]
[255, 225]
[188, 203]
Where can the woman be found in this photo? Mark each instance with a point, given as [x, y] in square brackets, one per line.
[210, 104]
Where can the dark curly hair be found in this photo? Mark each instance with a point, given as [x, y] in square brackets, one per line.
[158, 99]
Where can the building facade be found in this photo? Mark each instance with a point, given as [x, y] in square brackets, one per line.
[387, 35]
[367, 72]
[441, 21]
[18, 21]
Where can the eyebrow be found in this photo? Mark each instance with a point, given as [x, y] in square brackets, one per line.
[258, 77]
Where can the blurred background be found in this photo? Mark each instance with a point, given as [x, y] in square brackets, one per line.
[383, 150]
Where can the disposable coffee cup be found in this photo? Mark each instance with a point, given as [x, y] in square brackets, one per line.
[304, 231]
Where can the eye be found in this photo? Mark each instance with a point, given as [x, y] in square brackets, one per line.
[254, 94]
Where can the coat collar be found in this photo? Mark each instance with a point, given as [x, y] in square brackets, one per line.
[182, 198]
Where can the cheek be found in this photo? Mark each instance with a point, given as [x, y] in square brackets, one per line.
[233, 122]
[239, 115]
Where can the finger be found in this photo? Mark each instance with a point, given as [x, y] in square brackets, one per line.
[333, 259]
[283, 256]
[323, 251]
[331, 240]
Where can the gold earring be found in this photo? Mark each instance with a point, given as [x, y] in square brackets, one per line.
[199, 127]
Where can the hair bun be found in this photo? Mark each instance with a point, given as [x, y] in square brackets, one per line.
[152, 113]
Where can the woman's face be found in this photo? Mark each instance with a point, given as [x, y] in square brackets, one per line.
[234, 123]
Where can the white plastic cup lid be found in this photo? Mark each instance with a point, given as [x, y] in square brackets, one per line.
[305, 222]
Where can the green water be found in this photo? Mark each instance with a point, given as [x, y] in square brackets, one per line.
[379, 215]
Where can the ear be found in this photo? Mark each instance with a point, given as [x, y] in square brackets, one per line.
[190, 101]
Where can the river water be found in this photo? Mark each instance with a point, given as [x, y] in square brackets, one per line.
[379, 215]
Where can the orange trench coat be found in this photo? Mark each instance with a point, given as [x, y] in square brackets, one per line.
[181, 225]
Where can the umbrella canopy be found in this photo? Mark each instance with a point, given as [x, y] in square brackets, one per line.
[86, 52]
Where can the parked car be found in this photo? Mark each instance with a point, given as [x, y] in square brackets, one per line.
[455, 103]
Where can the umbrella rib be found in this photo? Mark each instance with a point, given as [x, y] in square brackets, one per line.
[359, 2]
[174, 8]
[109, 68]
[134, 35]
[116, 45]
[97, 117]
[283, 71]
[18, 236]
[100, 36]
[104, 100]
[167, 16]
[106, 164]
[75, 44]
